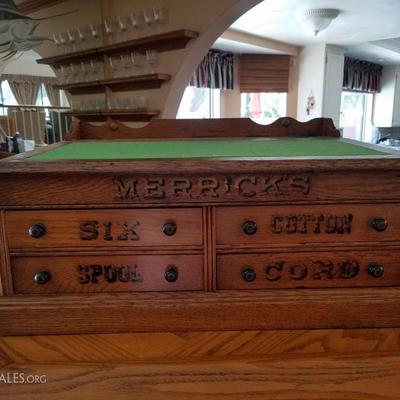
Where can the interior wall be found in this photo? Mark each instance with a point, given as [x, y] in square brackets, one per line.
[384, 100]
[27, 65]
[209, 21]
[333, 83]
[311, 81]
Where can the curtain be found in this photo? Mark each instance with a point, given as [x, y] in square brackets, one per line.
[25, 88]
[215, 71]
[264, 73]
[53, 94]
[361, 76]
[25, 92]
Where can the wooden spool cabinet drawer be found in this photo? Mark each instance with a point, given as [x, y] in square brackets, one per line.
[105, 228]
[92, 274]
[291, 225]
[322, 269]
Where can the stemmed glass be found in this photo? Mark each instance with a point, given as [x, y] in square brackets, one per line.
[148, 17]
[64, 74]
[108, 26]
[71, 40]
[159, 17]
[126, 65]
[134, 24]
[151, 60]
[136, 60]
[95, 70]
[74, 73]
[82, 38]
[85, 71]
[123, 27]
[95, 32]
[115, 65]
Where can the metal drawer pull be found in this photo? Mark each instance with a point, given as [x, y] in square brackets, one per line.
[37, 230]
[171, 274]
[375, 270]
[249, 227]
[170, 228]
[248, 274]
[379, 224]
[42, 277]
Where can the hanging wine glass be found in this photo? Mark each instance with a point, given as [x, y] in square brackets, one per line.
[159, 17]
[134, 21]
[95, 32]
[136, 60]
[151, 61]
[148, 19]
[71, 40]
[114, 65]
[63, 42]
[108, 26]
[57, 43]
[82, 38]
[123, 28]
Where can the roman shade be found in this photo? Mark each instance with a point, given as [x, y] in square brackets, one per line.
[263, 73]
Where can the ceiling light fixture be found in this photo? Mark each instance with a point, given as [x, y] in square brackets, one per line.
[317, 19]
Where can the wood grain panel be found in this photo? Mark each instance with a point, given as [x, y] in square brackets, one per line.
[346, 377]
[307, 224]
[91, 274]
[105, 228]
[336, 268]
[270, 186]
[197, 311]
[6, 287]
[133, 348]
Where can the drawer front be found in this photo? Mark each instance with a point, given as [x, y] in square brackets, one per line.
[322, 269]
[289, 225]
[105, 228]
[93, 274]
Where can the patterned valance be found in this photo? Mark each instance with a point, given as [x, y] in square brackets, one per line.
[215, 71]
[361, 76]
[29, 78]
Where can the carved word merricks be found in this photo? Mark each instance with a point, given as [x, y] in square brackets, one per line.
[316, 270]
[97, 273]
[94, 230]
[311, 223]
[212, 187]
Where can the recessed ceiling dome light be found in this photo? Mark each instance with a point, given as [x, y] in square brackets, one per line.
[317, 19]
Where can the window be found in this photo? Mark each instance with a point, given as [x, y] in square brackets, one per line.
[42, 98]
[356, 115]
[200, 103]
[263, 108]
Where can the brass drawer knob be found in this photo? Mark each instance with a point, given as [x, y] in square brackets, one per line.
[171, 274]
[248, 274]
[379, 224]
[37, 230]
[170, 228]
[249, 227]
[42, 277]
[375, 270]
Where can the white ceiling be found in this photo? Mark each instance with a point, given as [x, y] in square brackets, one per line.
[359, 23]
[241, 48]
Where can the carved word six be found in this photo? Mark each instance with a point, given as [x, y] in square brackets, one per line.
[93, 230]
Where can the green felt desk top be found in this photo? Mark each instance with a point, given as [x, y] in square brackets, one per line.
[141, 150]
